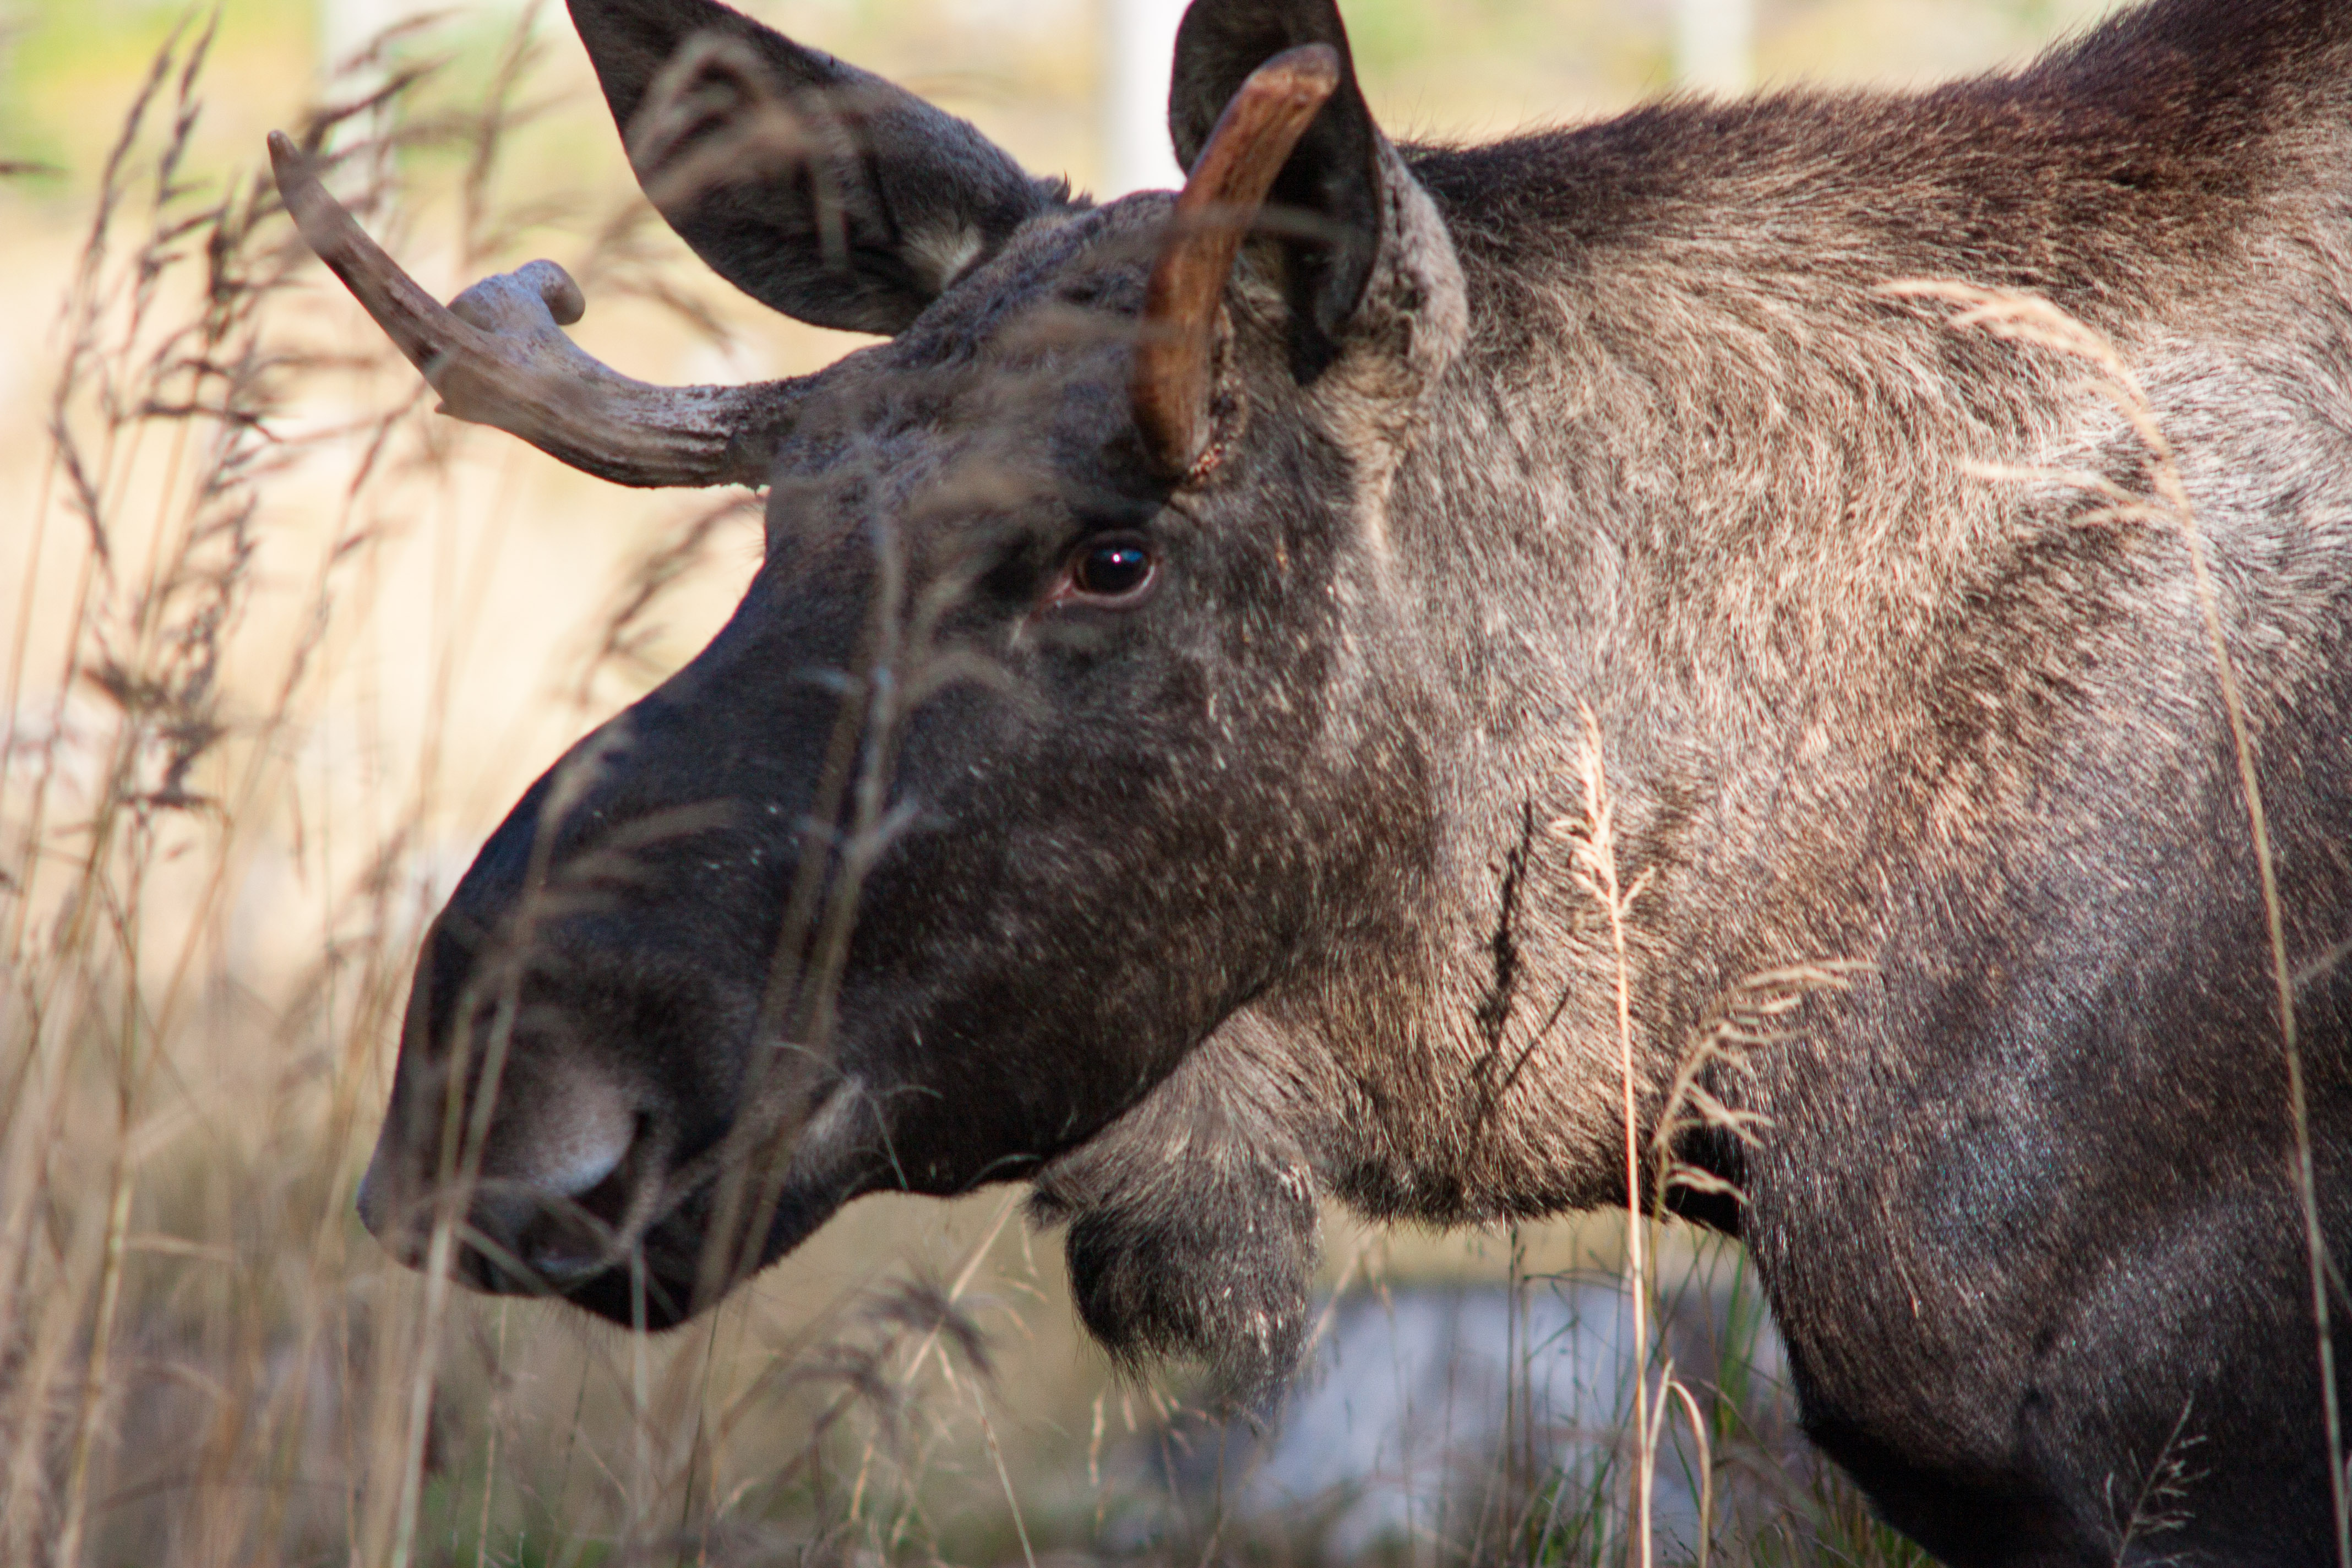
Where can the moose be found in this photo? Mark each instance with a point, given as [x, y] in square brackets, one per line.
[1356, 679]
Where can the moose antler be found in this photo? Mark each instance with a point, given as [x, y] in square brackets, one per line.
[498, 355]
[1169, 386]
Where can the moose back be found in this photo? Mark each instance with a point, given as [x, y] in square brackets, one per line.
[1823, 623]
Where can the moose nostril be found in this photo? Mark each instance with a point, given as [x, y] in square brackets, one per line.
[544, 1199]
[587, 1130]
[563, 1225]
[588, 1167]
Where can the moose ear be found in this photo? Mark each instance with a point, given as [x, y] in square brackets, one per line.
[1349, 216]
[813, 187]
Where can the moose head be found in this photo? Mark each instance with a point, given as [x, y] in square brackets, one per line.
[1064, 728]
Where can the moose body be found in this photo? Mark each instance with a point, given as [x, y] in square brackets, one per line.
[1187, 740]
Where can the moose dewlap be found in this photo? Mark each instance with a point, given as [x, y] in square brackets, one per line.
[1824, 619]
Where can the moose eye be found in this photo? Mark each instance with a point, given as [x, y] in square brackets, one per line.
[1116, 568]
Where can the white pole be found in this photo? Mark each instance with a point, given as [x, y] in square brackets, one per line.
[1714, 43]
[346, 27]
[1138, 40]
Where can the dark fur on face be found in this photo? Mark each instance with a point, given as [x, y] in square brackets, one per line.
[1274, 882]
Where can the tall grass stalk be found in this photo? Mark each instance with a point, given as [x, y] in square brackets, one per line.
[1593, 843]
[195, 1364]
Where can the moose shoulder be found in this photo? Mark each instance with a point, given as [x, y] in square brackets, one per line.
[1210, 658]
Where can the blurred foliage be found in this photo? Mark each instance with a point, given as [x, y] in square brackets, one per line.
[1444, 68]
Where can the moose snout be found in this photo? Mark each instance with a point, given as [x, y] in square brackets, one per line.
[581, 1014]
[540, 1202]
[553, 1077]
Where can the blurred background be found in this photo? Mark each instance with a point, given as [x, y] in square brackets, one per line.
[280, 646]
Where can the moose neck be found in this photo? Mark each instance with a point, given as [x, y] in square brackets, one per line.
[1707, 494]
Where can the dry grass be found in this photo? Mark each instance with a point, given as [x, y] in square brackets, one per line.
[201, 1360]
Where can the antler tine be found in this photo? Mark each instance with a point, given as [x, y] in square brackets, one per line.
[1237, 165]
[498, 355]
